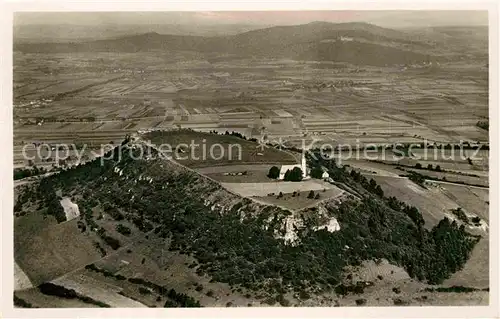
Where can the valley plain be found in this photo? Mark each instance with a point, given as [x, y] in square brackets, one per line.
[96, 227]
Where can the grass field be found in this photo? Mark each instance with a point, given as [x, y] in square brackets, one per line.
[149, 259]
[392, 286]
[263, 189]
[197, 149]
[433, 201]
[476, 271]
[51, 249]
[300, 201]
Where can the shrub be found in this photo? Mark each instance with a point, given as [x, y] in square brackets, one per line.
[399, 302]
[144, 291]
[304, 295]
[485, 125]
[124, 230]
[452, 289]
[55, 209]
[115, 214]
[21, 303]
[112, 242]
[169, 304]
[317, 172]
[270, 301]
[282, 300]
[460, 214]
[294, 175]
[92, 267]
[417, 178]
[274, 172]
[60, 291]
[360, 302]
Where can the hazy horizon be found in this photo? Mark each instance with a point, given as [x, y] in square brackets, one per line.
[394, 19]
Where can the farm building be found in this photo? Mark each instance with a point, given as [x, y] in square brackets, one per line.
[325, 175]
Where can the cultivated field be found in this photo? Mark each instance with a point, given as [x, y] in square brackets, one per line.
[97, 98]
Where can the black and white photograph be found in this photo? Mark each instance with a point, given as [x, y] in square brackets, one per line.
[262, 158]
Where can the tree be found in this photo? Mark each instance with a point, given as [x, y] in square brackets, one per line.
[287, 175]
[294, 175]
[418, 166]
[311, 194]
[373, 184]
[429, 167]
[274, 172]
[438, 168]
[317, 172]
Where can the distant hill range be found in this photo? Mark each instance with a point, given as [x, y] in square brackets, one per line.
[63, 33]
[356, 43]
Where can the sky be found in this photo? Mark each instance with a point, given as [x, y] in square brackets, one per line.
[416, 18]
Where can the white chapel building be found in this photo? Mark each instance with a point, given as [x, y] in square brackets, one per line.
[302, 166]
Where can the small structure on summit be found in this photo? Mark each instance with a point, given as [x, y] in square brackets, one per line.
[325, 175]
